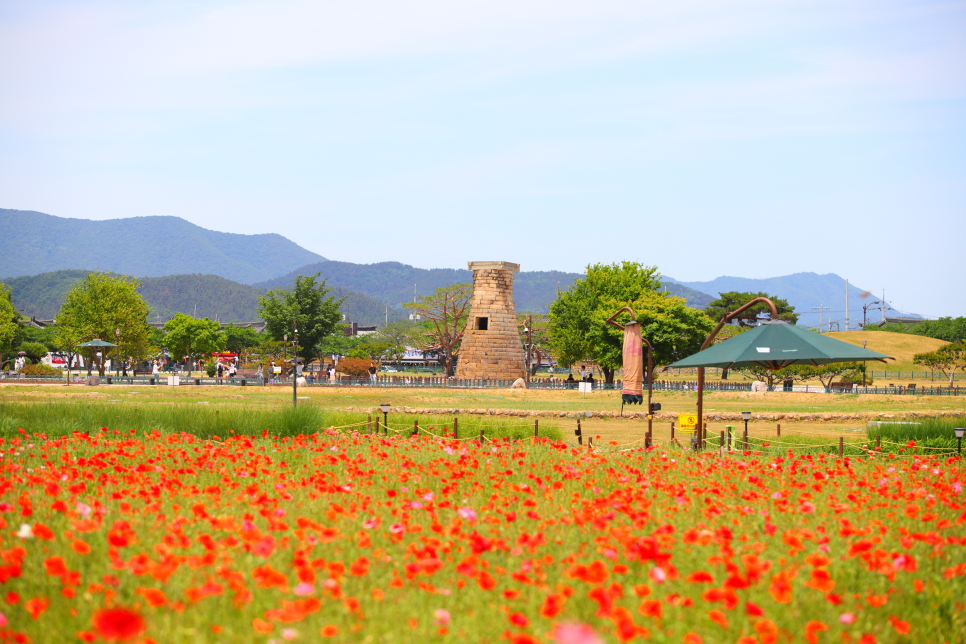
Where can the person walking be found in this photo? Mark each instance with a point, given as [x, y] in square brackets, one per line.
[154, 370]
[372, 372]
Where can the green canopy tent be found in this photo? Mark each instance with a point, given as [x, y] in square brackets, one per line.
[773, 345]
[94, 344]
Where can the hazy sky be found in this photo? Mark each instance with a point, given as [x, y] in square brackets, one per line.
[751, 138]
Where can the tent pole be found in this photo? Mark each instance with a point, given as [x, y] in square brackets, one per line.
[707, 343]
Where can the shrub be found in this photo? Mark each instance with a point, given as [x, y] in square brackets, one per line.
[39, 370]
[358, 367]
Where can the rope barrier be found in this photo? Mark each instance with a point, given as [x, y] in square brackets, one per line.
[917, 446]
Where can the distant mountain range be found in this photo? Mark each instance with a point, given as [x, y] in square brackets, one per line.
[186, 268]
[208, 296]
[33, 243]
[806, 292]
[395, 283]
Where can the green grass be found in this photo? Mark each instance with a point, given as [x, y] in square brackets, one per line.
[61, 419]
[927, 432]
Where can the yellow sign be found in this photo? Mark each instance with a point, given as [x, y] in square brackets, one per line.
[688, 421]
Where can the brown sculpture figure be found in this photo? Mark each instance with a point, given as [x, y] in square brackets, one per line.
[632, 391]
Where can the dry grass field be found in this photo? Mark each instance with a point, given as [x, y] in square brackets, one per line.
[798, 413]
[902, 346]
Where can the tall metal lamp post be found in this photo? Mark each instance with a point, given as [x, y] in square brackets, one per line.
[295, 358]
[117, 360]
[959, 431]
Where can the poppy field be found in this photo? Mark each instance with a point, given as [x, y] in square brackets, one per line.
[346, 537]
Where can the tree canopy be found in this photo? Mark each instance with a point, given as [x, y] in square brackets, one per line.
[190, 337]
[947, 360]
[577, 318]
[445, 313]
[315, 314]
[240, 339]
[8, 320]
[728, 302]
[107, 307]
[948, 328]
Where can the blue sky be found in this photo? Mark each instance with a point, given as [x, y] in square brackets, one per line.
[751, 138]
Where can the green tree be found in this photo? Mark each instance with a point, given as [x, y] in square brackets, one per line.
[378, 349]
[771, 377]
[45, 336]
[535, 338]
[241, 339]
[947, 328]
[34, 350]
[444, 313]
[577, 318]
[9, 318]
[337, 346]
[728, 302]
[315, 315]
[192, 338]
[107, 307]
[947, 360]
[398, 332]
[826, 373]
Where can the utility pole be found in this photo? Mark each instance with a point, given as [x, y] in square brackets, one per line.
[846, 304]
[865, 309]
[882, 308]
[820, 308]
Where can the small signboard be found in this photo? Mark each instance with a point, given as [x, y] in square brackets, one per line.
[687, 422]
[585, 387]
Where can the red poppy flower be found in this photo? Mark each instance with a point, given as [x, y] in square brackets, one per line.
[118, 624]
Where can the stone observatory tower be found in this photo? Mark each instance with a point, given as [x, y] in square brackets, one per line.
[491, 345]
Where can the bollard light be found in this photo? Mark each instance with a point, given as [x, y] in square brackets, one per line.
[385, 407]
[959, 431]
[746, 415]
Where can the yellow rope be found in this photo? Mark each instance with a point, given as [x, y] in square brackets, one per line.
[915, 446]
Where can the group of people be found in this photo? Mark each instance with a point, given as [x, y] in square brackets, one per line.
[276, 371]
[585, 376]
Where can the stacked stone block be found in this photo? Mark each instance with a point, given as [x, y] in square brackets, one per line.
[491, 345]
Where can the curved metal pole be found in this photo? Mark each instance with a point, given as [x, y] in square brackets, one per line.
[650, 370]
[707, 343]
[650, 365]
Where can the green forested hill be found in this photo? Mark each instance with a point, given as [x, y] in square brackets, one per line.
[394, 282]
[33, 242]
[202, 295]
